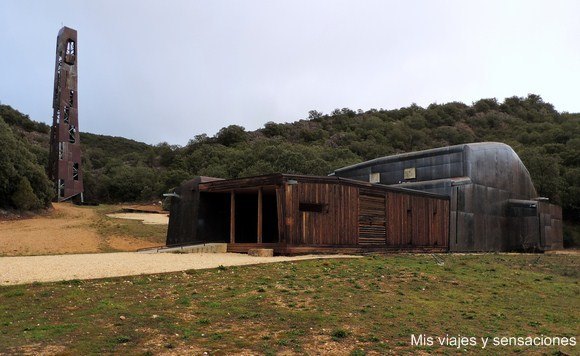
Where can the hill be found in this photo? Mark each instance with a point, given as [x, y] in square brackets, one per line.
[119, 169]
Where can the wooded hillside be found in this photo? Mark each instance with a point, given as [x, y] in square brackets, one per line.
[118, 169]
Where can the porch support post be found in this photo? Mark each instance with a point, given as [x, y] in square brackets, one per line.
[260, 215]
[232, 217]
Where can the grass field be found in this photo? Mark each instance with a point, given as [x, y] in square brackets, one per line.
[359, 306]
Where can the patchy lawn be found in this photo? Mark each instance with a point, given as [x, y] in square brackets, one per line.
[353, 306]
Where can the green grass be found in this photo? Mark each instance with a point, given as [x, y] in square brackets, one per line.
[355, 306]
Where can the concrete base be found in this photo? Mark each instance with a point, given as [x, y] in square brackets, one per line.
[203, 248]
[261, 252]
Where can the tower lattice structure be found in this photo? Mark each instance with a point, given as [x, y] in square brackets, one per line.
[65, 148]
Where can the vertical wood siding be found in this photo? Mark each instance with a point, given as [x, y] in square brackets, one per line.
[414, 220]
[364, 216]
[336, 225]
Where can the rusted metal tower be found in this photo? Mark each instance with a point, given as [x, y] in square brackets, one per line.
[65, 148]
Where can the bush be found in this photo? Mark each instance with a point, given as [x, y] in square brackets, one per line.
[23, 182]
[339, 334]
[24, 198]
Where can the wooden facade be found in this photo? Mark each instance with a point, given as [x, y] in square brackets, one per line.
[305, 214]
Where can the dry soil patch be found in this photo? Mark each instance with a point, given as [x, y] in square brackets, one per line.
[67, 229]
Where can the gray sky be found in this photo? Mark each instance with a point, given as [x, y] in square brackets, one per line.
[166, 70]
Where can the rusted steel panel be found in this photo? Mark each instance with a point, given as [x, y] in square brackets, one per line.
[65, 151]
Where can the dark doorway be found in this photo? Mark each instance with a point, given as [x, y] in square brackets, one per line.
[246, 217]
[269, 217]
[214, 217]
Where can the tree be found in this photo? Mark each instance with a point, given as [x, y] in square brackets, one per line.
[545, 171]
[485, 105]
[272, 129]
[313, 114]
[231, 135]
[24, 198]
[18, 163]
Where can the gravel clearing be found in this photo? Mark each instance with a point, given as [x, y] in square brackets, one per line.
[29, 269]
[145, 218]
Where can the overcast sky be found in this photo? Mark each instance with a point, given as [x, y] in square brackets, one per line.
[167, 70]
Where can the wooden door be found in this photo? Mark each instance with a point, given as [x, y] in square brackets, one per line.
[372, 220]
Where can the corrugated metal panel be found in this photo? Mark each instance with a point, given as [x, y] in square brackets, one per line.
[551, 230]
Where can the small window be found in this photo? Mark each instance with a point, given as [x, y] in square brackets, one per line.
[71, 134]
[75, 171]
[375, 178]
[313, 207]
[61, 188]
[71, 96]
[57, 115]
[66, 112]
[70, 54]
[60, 150]
[409, 173]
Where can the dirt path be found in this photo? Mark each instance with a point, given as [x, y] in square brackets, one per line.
[145, 218]
[29, 269]
[67, 229]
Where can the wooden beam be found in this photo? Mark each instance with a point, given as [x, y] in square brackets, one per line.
[232, 217]
[260, 215]
[280, 212]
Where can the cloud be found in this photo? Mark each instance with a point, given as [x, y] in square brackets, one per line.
[166, 71]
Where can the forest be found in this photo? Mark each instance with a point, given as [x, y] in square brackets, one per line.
[118, 169]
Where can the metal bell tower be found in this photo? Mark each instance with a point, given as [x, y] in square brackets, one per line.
[65, 148]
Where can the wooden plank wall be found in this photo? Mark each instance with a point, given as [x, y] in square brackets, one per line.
[411, 220]
[336, 226]
[372, 219]
[415, 220]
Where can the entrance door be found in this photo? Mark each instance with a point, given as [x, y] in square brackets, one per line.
[372, 220]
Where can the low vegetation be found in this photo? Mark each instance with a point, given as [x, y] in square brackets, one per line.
[355, 306]
[23, 181]
[121, 170]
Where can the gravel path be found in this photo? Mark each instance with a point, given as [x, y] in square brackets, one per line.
[28, 269]
[145, 218]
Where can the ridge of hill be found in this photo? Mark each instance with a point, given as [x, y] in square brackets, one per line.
[119, 169]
